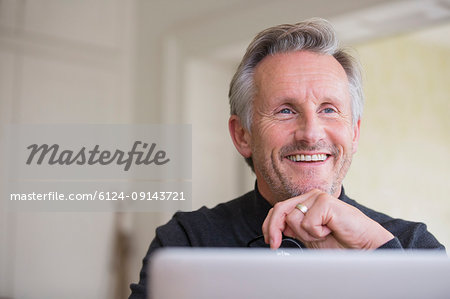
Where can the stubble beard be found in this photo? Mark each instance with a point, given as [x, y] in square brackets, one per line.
[284, 187]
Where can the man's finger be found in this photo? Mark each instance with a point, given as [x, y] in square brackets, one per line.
[277, 220]
[294, 222]
[265, 226]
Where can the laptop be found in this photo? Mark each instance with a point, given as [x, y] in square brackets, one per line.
[195, 273]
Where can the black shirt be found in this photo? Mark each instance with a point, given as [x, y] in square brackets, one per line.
[235, 223]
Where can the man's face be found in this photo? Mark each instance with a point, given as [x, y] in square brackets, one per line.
[302, 135]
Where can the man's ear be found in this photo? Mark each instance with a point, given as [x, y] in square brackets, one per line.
[356, 136]
[241, 137]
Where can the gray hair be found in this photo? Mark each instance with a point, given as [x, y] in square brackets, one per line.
[315, 35]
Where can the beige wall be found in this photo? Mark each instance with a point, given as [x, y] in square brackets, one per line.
[402, 166]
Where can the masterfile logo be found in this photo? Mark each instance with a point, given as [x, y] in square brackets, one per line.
[100, 152]
[52, 155]
[97, 167]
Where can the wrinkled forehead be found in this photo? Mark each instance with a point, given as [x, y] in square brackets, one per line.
[301, 69]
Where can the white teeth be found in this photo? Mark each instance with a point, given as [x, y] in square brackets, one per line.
[315, 157]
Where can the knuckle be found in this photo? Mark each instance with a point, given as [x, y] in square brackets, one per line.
[316, 233]
[290, 218]
[305, 225]
[323, 198]
[277, 206]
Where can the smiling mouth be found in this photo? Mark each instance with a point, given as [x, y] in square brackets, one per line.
[308, 158]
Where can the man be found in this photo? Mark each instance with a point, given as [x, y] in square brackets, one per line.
[296, 103]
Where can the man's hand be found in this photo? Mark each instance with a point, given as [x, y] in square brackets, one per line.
[328, 223]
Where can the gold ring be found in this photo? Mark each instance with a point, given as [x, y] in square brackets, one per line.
[302, 208]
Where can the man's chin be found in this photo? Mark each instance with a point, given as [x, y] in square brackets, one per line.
[294, 190]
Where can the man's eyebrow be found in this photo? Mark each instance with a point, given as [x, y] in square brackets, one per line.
[333, 99]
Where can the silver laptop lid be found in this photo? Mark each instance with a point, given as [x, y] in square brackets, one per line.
[194, 273]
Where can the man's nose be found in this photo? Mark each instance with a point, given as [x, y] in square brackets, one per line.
[309, 130]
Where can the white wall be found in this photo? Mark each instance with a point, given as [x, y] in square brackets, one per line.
[218, 171]
[62, 62]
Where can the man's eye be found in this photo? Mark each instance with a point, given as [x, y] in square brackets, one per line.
[286, 111]
[328, 110]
